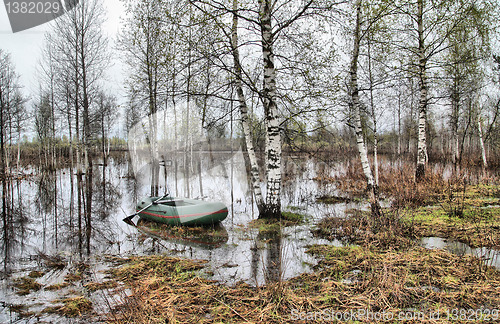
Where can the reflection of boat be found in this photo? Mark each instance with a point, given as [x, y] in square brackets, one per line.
[173, 211]
[207, 237]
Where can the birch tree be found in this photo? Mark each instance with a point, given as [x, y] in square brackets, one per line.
[429, 25]
[356, 111]
[269, 96]
[265, 22]
[484, 159]
[271, 24]
[159, 43]
[468, 50]
[245, 122]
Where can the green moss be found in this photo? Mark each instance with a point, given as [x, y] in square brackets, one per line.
[292, 217]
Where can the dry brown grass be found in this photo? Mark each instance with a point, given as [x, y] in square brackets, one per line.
[397, 183]
[388, 231]
[416, 278]
[166, 290]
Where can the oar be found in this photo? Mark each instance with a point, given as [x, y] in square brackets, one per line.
[128, 219]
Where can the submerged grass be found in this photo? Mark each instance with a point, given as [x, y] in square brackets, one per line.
[94, 286]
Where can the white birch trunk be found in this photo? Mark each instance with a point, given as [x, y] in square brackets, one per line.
[273, 136]
[354, 92]
[422, 106]
[456, 147]
[481, 143]
[247, 132]
[374, 117]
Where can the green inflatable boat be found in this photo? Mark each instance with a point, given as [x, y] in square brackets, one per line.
[175, 211]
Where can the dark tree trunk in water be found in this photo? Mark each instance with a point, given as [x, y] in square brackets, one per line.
[88, 209]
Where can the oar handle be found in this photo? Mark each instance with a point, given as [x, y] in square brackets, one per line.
[154, 202]
[128, 218]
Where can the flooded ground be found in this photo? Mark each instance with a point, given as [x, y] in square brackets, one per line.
[43, 230]
[490, 257]
[46, 238]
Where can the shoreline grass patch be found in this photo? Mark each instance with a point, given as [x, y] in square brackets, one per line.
[477, 227]
[345, 279]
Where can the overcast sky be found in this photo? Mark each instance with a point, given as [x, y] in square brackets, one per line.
[25, 48]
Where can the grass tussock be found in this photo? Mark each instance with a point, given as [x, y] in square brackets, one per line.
[21, 310]
[58, 286]
[71, 307]
[26, 285]
[273, 226]
[36, 274]
[331, 199]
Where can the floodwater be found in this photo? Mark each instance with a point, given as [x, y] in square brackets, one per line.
[42, 226]
[490, 257]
